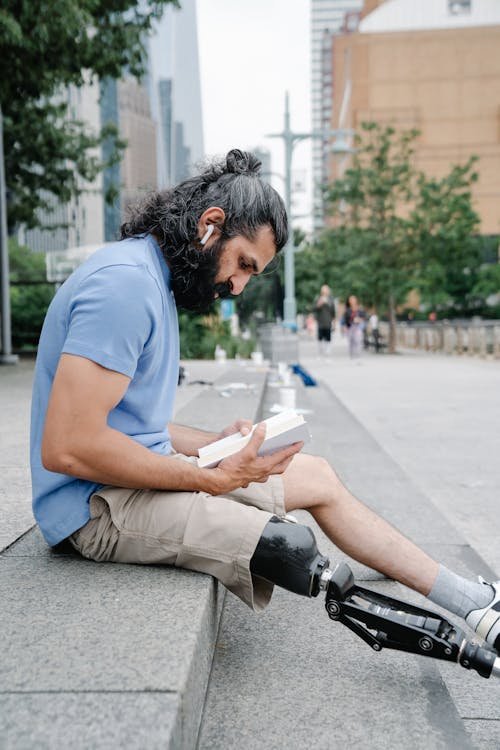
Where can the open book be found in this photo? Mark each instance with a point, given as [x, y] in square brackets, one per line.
[283, 429]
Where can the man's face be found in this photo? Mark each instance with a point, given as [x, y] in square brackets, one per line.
[240, 259]
[220, 269]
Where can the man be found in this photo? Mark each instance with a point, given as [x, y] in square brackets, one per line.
[324, 308]
[114, 480]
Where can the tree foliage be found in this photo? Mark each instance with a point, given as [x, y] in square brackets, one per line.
[396, 229]
[371, 234]
[48, 45]
[200, 334]
[443, 226]
[30, 295]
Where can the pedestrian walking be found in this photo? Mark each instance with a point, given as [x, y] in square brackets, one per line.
[353, 322]
[324, 309]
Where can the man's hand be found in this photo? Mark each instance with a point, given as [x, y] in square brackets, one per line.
[242, 426]
[246, 466]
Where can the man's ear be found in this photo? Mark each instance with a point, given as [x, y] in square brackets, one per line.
[210, 220]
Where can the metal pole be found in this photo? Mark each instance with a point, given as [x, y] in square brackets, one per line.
[290, 139]
[6, 356]
[289, 304]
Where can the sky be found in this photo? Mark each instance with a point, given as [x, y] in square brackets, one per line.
[251, 53]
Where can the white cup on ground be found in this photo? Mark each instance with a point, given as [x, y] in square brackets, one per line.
[288, 398]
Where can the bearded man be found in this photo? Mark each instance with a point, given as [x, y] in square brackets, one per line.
[116, 480]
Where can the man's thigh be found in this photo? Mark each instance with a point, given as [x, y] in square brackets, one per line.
[193, 530]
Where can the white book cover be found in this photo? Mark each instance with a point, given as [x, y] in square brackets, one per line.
[281, 430]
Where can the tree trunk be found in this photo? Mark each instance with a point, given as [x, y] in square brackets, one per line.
[391, 344]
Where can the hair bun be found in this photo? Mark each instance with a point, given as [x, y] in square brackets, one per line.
[242, 162]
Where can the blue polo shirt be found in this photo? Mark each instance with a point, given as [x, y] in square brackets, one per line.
[116, 309]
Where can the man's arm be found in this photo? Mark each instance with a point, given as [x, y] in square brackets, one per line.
[188, 440]
[79, 442]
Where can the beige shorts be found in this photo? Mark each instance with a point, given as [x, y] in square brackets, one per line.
[193, 530]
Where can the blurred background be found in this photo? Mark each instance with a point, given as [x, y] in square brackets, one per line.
[378, 122]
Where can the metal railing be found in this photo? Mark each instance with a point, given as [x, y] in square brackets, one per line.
[479, 338]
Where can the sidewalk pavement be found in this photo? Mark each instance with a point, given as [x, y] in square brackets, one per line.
[438, 417]
[119, 655]
[291, 678]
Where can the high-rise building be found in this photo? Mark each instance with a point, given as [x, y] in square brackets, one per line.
[159, 117]
[81, 221]
[138, 168]
[111, 177]
[327, 17]
[176, 93]
[165, 131]
[433, 66]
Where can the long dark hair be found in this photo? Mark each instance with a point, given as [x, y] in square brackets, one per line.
[233, 184]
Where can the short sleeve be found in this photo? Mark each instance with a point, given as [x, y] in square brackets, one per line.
[112, 317]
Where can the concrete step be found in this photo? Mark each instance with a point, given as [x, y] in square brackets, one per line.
[99, 656]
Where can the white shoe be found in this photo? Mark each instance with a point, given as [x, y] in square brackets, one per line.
[486, 621]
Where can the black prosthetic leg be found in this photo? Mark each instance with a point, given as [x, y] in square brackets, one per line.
[288, 556]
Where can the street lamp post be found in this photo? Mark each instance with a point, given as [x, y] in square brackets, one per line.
[6, 356]
[290, 139]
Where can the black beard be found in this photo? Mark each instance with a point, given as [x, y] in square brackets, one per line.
[192, 276]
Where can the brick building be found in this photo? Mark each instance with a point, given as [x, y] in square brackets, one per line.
[433, 65]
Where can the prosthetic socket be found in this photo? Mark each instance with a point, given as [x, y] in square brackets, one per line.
[287, 555]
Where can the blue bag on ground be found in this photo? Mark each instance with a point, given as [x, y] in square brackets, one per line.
[306, 378]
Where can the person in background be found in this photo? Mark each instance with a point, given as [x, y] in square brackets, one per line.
[373, 329]
[324, 310]
[353, 322]
[311, 325]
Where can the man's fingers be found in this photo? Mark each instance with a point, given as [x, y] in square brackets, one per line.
[244, 426]
[283, 464]
[288, 452]
[258, 437]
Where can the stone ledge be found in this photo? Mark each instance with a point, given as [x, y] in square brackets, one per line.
[84, 642]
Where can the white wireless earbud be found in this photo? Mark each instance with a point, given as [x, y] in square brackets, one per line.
[208, 234]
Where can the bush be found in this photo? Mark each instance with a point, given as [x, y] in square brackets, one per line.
[30, 295]
[199, 335]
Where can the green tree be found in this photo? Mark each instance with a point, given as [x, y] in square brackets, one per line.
[313, 268]
[30, 295]
[443, 226]
[200, 334]
[370, 239]
[395, 229]
[46, 46]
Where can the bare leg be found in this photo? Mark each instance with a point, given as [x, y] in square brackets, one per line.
[311, 484]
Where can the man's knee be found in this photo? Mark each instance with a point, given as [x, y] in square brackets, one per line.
[310, 482]
[322, 476]
[313, 467]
